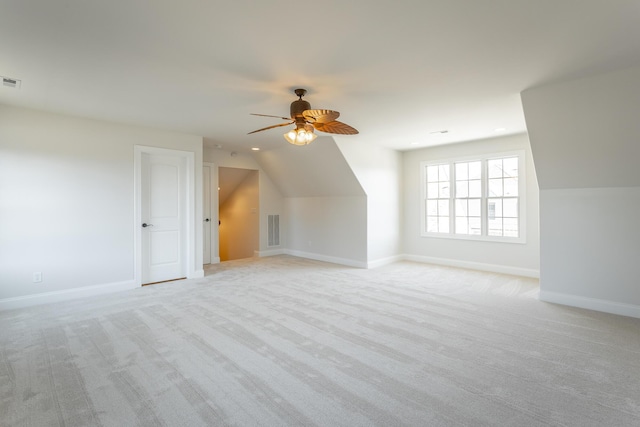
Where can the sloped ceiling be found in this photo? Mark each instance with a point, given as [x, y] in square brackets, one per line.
[315, 170]
[399, 72]
[585, 133]
[228, 181]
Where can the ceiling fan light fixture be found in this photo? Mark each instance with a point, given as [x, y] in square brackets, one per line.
[300, 136]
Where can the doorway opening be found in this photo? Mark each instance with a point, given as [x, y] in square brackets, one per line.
[238, 213]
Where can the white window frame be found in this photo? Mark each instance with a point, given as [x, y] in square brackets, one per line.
[522, 185]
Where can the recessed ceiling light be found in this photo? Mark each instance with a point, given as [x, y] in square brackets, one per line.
[500, 129]
[255, 148]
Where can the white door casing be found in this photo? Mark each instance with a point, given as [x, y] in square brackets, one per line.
[206, 214]
[164, 201]
[210, 212]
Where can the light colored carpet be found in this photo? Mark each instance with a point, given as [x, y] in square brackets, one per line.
[285, 341]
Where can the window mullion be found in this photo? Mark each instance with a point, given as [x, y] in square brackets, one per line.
[452, 198]
[485, 198]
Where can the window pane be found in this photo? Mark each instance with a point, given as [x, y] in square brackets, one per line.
[462, 189]
[510, 208]
[462, 171]
[443, 207]
[510, 227]
[495, 188]
[495, 208]
[495, 227]
[510, 166]
[444, 190]
[443, 173]
[474, 208]
[475, 170]
[461, 208]
[443, 224]
[511, 186]
[475, 227]
[462, 226]
[495, 168]
[432, 208]
[475, 188]
[432, 173]
[432, 190]
[432, 224]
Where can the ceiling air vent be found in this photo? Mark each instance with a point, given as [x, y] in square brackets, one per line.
[10, 82]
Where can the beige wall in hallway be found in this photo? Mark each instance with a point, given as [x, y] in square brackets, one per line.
[239, 220]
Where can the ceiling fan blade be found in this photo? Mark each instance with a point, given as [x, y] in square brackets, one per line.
[335, 127]
[267, 115]
[320, 116]
[271, 127]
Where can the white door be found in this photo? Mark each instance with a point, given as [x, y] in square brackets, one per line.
[206, 214]
[163, 217]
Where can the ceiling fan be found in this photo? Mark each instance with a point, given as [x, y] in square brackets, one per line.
[308, 120]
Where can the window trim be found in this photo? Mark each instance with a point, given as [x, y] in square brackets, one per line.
[451, 161]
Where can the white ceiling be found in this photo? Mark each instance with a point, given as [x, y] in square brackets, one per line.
[397, 71]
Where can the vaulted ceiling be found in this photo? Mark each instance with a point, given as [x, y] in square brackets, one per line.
[400, 72]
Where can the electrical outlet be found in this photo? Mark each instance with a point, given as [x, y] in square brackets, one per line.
[37, 277]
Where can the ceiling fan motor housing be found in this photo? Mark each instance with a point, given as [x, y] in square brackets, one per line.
[297, 107]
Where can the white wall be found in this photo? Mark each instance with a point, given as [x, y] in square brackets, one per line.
[584, 136]
[331, 229]
[515, 258]
[271, 200]
[325, 203]
[379, 171]
[591, 248]
[67, 200]
[239, 220]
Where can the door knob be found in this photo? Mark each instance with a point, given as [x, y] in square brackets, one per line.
[145, 225]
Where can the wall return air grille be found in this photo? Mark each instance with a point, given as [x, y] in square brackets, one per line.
[274, 230]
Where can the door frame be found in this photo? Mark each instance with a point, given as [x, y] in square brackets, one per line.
[213, 197]
[189, 228]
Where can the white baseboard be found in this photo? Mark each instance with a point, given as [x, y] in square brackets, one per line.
[325, 258]
[493, 268]
[596, 304]
[65, 295]
[384, 261]
[270, 252]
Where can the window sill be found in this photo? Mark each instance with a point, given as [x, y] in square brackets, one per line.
[496, 239]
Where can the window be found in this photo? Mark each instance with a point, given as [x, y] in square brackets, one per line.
[438, 192]
[468, 198]
[478, 199]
